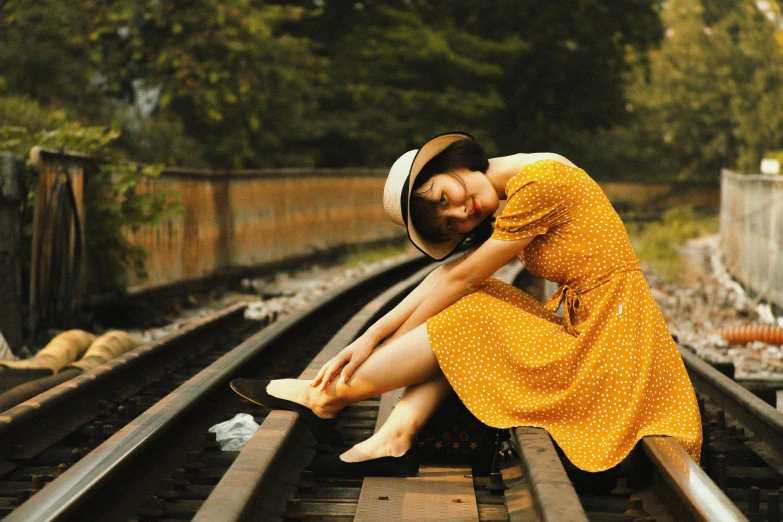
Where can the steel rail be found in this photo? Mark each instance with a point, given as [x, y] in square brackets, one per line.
[71, 489]
[35, 424]
[690, 492]
[553, 494]
[242, 492]
[762, 422]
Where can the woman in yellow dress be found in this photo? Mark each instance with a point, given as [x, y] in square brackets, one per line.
[598, 379]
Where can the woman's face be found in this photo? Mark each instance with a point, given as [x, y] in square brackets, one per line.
[465, 199]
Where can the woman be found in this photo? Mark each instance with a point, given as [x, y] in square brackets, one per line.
[597, 379]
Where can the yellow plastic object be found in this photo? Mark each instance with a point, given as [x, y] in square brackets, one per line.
[107, 347]
[64, 349]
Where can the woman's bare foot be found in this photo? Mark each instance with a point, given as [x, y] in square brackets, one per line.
[376, 447]
[300, 392]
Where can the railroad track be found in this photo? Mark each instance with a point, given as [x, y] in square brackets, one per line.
[123, 429]
[163, 465]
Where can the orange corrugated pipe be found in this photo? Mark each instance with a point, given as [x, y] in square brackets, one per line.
[765, 333]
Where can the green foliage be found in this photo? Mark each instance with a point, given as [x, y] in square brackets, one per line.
[238, 85]
[248, 83]
[658, 244]
[520, 76]
[398, 80]
[43, 54]
[112, 203]
[710, 97]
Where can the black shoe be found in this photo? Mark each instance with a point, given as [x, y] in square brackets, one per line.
[332, 466]
[255, 391]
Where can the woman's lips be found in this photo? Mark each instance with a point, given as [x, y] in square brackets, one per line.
[476, 208]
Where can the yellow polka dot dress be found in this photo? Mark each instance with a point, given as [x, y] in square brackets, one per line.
[597, 379]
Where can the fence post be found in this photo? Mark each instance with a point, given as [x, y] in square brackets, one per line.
[12, 305]
[58, 255]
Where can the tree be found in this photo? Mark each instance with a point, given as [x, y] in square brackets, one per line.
[43, 55]
[712, 95]
[240, 86]
[520, 75]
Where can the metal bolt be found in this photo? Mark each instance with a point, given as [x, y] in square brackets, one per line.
[496, 484]
[720, 471]
[152, 507]
[61, 469]
[306, 480]
[38, 484]
[705, 450]
[166, 489]
[622, 488]
[179, 477]
[97, 430]
[104, 408]
[720, 420]
[635, 508]
[75, 455]
[754, 499]
[194, 461]
[773, 506]
[210, 442]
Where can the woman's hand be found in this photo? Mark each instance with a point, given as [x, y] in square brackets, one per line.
[344, 363]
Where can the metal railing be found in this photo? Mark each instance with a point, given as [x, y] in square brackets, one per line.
[751, 228]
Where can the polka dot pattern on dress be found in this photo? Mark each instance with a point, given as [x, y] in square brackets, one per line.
[597, 380]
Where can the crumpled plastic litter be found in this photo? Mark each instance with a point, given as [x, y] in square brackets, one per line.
[234, 434]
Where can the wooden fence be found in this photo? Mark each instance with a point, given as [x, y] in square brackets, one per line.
[752, 232]
[239, 219]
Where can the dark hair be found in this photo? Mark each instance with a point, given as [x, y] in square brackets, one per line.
[462, 154]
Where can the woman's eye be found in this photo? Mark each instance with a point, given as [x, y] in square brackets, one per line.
[443, 200]
[448, 224]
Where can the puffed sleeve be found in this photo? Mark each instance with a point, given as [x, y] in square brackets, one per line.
[537, 200]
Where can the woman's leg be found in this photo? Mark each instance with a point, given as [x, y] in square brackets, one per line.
[403, 362]
[397, 434]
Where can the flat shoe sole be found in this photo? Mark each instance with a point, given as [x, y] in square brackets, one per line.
[244, 388]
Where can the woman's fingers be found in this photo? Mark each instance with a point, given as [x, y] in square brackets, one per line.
[358, 358]
[320, 375]
[349, 368]
[331, 372]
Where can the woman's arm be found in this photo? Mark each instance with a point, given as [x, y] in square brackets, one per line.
[389, 324]
[443, 290]
[387, 327]
[466, 278]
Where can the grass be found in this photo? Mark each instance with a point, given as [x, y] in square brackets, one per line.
[658, 243]
[364, 254]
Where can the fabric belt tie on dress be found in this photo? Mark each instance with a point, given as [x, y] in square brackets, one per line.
[569, 295]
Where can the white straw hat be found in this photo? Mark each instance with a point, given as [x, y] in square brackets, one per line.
[397, 192]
